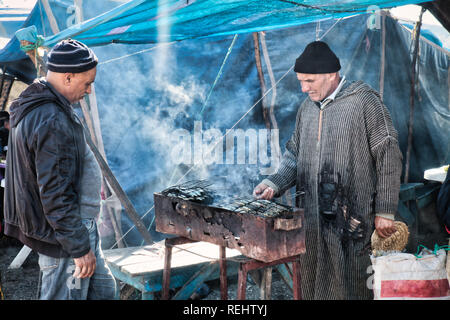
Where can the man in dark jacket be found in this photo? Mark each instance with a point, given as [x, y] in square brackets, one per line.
[52, 194]
[4, 132]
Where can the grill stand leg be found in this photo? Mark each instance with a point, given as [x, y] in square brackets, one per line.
[169, 243]
[166, 272]
[223, 274]
[245, 267]
[296, 285]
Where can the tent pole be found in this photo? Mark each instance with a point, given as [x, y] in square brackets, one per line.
[261, 77]
[92, 120]
[268, 114]
[416, 35]
[383, 54]
[272, 118]
[50, 16]
[129, 208]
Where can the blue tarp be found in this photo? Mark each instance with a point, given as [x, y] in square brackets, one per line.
[149, 95]
[149, 21]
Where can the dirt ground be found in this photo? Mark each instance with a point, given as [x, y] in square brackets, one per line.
[19, 284]
[23, 283]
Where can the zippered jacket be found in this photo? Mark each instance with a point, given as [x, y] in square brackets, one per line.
[44, 166]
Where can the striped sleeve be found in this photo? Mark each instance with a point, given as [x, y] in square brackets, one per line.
[286, 175]
[383, 142]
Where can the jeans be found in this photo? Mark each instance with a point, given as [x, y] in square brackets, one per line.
[59, 284]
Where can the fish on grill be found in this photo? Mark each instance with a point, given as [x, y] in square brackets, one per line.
[260, 207]
[199, 191]
[196, 191]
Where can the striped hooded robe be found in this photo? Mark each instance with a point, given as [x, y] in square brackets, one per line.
[346, 158]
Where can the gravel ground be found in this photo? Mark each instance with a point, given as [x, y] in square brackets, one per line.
[22, 283]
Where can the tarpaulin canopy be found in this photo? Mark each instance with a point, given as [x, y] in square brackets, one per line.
[144, 21]
[152, 21]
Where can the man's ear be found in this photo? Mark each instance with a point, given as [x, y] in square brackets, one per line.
[334, 76]
[68, 78]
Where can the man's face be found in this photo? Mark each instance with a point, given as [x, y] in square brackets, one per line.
[318, 86]
[79, 84]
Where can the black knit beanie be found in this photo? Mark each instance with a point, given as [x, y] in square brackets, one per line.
[71, 56]
[317, 58]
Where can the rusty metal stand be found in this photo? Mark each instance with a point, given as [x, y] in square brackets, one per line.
[223, 274]
[252, 264]
[244, 268]
[169, 243]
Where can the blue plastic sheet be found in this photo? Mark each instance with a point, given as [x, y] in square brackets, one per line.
[150, 21]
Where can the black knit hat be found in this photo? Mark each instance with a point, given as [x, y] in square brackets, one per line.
[71, 56]
[317, 58]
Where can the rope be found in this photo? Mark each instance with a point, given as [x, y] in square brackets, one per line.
[329, 29]
[436, 249]
[219, 73]
[33, 46]
[136, 53]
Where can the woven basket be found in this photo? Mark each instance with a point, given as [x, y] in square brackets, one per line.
[395, 242]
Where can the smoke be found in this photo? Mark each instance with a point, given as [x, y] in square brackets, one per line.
[148, 99]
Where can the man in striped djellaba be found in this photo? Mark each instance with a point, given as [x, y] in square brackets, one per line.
[344, 155]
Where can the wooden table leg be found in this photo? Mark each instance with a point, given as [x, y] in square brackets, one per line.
[265, 291]
[242, 281]
[223, 274]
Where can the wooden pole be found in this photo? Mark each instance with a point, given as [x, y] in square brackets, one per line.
[276, 150]
[124, 200]
[50, 16]
[109, 211]
[273, 120]
[93, 122]
[20, 258]
[261, 78]
[416, 34]
[383, 54]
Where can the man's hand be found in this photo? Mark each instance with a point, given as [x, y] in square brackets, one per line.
[262, 191]
[85, 265]
[385, 227]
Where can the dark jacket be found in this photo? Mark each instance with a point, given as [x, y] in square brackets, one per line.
[443, 201]
[44, 166]
[4, 134]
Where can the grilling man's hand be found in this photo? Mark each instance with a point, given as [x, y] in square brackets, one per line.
[85, 265]
[262, 191]
[385, 227]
